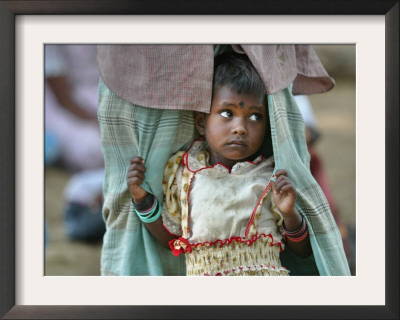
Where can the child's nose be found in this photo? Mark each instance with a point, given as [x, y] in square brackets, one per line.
[239, 127]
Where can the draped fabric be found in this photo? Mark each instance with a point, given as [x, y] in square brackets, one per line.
[128, 130]
[179, 77]
[290, 153]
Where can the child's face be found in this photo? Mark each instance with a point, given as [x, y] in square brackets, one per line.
[235, 127]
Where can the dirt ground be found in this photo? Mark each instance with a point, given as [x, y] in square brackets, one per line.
[62, 256]
[335, 112]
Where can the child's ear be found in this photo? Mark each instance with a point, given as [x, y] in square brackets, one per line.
[200, 120]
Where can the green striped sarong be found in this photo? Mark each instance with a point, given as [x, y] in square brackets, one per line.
[291, 154]
[128, 130]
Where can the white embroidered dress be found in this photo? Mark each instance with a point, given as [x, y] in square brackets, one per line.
[224, 220]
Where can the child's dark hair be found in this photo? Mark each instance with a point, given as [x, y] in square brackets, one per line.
[236, 72]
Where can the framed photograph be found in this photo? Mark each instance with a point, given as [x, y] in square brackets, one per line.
[27, 293]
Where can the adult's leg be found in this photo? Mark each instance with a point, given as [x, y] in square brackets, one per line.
[128, 130]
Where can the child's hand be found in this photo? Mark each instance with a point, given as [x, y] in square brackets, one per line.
[284, 193]
[135, 177]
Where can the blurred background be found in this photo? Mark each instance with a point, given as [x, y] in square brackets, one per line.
[74, 165]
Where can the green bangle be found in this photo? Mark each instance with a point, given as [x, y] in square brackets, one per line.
[151, 216]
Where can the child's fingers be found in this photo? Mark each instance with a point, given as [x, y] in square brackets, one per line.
[137, 159]
[137, 164]
[276, 187]
[283, 184]
[137, 167]
[281, 172]
[134, 181]
[135, 174]
[286, 188]
[279, 181]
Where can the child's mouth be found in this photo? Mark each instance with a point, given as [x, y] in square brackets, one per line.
[237, 143]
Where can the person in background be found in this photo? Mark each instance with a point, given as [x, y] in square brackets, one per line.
[71, 84]
[72, 135]
[83, 196]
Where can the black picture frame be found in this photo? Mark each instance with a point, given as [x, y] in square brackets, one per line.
[8, 11]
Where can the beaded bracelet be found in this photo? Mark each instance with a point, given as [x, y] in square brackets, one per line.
[297, 235]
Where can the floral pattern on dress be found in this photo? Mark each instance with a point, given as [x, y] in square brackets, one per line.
[254, 254]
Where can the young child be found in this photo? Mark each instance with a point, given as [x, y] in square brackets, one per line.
[224, 208]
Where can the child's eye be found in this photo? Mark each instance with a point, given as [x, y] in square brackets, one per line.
[226, 114]
[256, 117]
